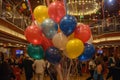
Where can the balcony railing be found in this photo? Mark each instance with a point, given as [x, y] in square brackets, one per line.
[107, 27]
[13, 15]
[22, 21]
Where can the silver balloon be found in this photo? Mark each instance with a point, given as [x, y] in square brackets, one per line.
[49, 28]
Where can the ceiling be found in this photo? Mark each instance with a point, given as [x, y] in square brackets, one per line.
[77, 8]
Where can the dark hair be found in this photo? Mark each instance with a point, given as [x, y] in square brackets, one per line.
[98, 62]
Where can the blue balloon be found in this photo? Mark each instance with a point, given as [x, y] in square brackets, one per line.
[68, 24]
[35, 52]
[88, 53]
[49, 28]
[53, 55]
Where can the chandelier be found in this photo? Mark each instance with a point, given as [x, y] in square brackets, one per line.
[82, 7]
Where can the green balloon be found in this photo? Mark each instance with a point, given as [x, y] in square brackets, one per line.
[35, 52]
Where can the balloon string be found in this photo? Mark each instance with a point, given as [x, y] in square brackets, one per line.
[31, 10]
[68, 74]
[65, 4]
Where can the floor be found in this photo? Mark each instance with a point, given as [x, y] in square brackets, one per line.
[83, 77]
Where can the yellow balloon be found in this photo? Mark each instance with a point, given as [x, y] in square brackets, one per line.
[74, 48]
[24, 6]
[40, 13]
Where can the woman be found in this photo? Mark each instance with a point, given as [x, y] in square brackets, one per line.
[98, 74]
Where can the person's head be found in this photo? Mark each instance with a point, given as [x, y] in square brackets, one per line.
[98, 62]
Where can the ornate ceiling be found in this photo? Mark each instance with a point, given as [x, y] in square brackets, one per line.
[83, 10]
[83, 7]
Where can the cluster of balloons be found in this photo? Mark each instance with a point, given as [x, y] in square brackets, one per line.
[58, 34]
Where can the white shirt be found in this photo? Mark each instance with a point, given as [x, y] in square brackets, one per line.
[39, 66]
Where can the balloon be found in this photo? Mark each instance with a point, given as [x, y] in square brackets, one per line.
[35, 52]
[59, 30]
[53, 55]
[82, 32]
[24, 6]
[68, 24]
[33, 34]
[40, 13]
[90, 40]
[49, 28]
[37, 23]
[71, 36]
[60, 41]
[74, 48]
[89, 51]
[46, 43]
[56, 11]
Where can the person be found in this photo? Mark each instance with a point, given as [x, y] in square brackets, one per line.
[116, 69]
[79, 67]
[91, 68]
[52, 72]
[16, 71]
[27, 65]
[20, 64]
[39, 68]
[118, 61]
[111, 64]
[98, 75]
[6, 72]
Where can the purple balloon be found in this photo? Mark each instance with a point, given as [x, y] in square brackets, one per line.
[53, 55]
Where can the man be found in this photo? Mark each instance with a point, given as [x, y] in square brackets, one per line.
[39, 67]
[27, 64]
[92, 67]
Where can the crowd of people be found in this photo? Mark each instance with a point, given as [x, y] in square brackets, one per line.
[12, 68]
[102, 64]
[98, 66]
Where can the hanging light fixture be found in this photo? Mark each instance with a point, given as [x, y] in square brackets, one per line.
[82, 7]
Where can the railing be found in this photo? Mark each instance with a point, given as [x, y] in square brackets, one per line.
[13, 15]
[22, 21]
[107, 27]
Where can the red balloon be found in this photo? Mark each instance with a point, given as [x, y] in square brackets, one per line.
[82, 32]
[46, 43]
[33, 34]
[56, 11]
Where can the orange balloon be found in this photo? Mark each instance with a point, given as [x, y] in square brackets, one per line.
[59, 30]
[71, 36]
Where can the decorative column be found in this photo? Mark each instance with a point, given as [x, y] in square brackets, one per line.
[0, 7]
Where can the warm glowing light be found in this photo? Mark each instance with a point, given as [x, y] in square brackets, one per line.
[106, 39]
[110, 1]
[84, 7]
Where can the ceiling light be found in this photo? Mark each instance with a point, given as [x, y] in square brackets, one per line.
[81, 6]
